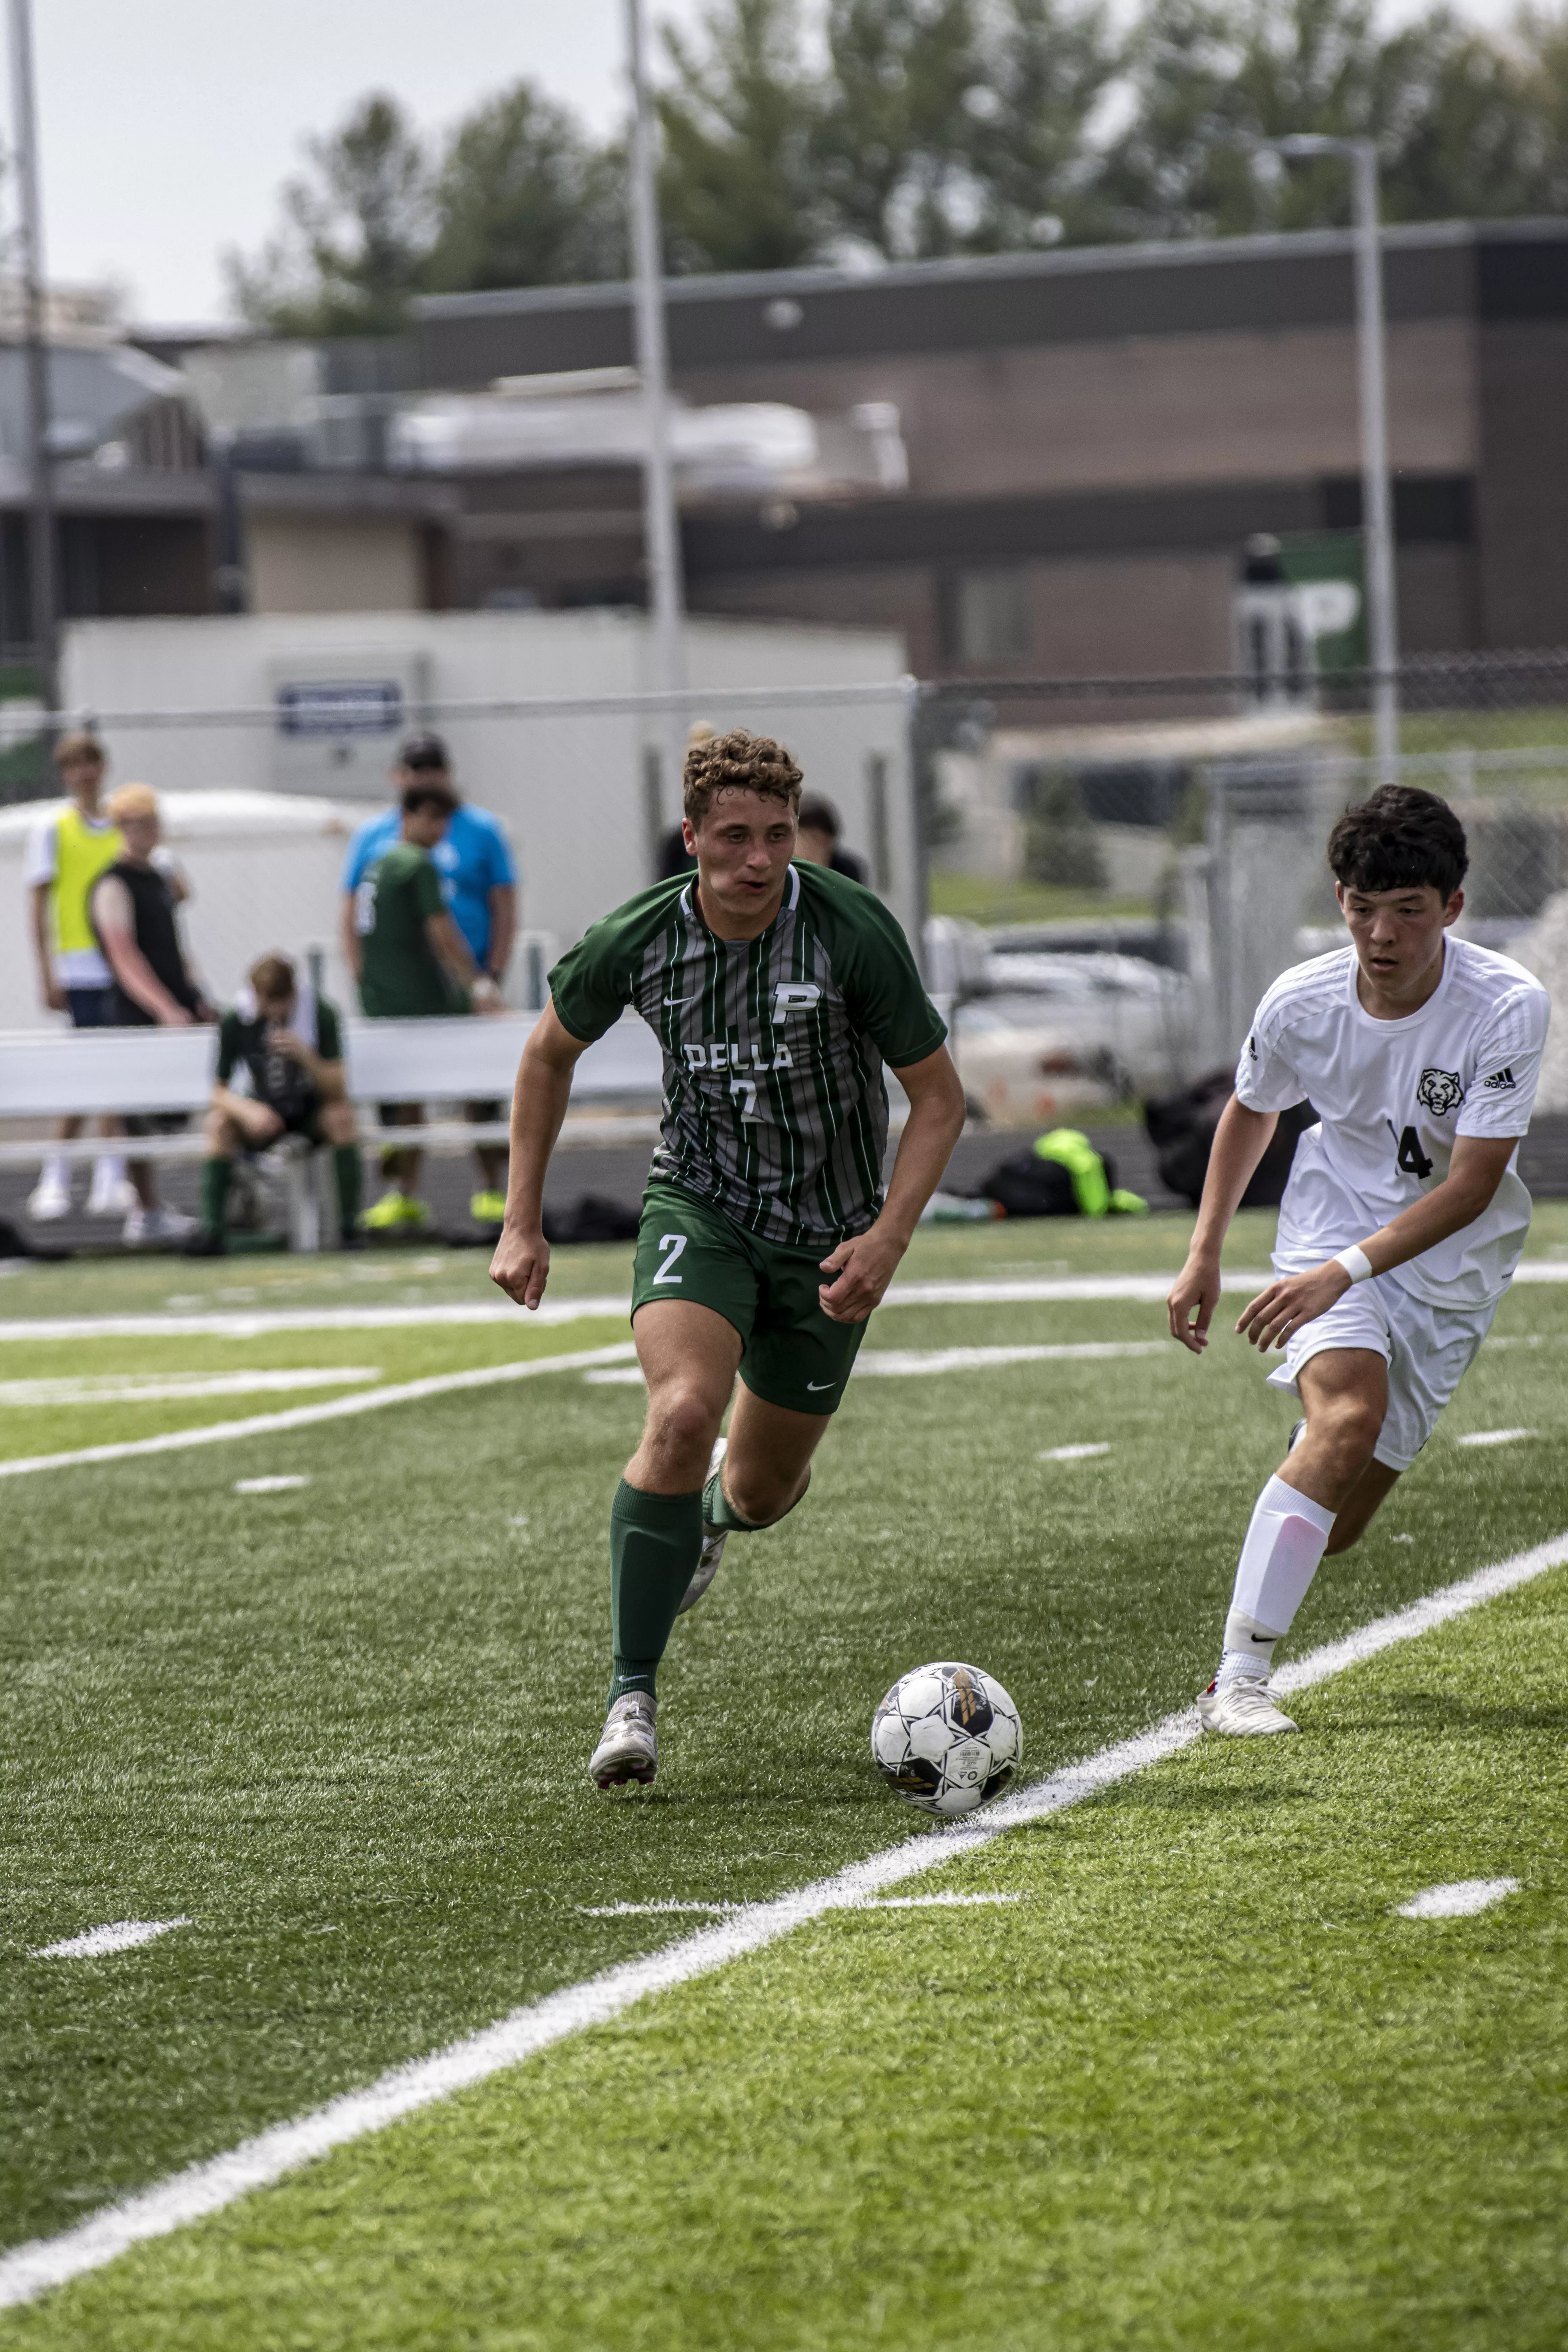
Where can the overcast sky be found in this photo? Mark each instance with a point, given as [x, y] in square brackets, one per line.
[167, 126]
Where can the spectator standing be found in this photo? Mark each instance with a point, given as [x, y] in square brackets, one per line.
[817, 831]
[413, 963]
[67, 851]
[132, 911]
[280, 1072]
[479, 877]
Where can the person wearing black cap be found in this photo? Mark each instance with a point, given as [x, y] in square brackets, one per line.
[478, 881]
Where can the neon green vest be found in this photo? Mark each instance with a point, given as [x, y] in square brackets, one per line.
[82, 851]
[1073, 1150]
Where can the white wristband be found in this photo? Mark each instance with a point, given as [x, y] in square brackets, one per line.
[1355, 1262]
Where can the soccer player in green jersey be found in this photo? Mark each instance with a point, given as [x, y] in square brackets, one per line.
[777, 990]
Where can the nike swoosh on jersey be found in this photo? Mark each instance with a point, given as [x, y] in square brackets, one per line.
[811, 1386]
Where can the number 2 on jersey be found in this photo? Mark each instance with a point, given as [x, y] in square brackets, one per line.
[675, 1244]
[1410, 1159]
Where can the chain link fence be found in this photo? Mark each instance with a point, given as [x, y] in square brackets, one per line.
[1142, 857]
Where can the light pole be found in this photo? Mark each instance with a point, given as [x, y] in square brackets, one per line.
[42, 595]
[661, 525]
[1376, 508]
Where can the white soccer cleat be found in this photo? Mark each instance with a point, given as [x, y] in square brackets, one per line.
[1241, 1709]
[48, 1199]
[148, 1227]
[713, 1542]
[628, 1744]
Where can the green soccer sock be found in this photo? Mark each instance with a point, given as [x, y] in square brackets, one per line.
[718, 1511]
[655, 1543]
[347, 1172]
[215, 1178]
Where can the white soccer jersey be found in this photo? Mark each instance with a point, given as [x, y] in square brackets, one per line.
[1391, 1097]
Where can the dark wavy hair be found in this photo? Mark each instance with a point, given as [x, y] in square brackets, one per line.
[1399, 839]
[737, 762]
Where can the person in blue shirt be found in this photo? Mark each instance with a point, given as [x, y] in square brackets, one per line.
[479, 879]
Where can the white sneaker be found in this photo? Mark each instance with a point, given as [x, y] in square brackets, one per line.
[147, 1227]
[628, 1744]
[1241, 1709]
[111, 1194]
[713, 1542]
[49, 1198]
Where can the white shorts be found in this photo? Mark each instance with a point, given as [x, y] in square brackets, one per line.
[1428, 1350]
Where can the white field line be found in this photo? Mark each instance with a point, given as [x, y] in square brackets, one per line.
[1073, 1453]
[910, 1363]
[120, 1936]
[286, 1483]
[904, 1363]
[1091, 1288]
[1494, 1436]
[207, 2187]
[171, 1387]
[1461, 1900]
[303, 1416]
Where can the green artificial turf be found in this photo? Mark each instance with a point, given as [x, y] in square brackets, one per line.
[343, 1730]
[1197, 2085]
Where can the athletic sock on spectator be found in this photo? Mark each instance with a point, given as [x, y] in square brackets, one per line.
[655, 1543]
[216, 1177]
[346, 1171]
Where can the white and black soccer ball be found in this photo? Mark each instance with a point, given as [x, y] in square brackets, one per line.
[947, 1738]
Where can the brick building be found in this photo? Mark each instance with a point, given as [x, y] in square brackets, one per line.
[1090, 436]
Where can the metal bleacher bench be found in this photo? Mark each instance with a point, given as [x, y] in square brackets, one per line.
[93, 1072]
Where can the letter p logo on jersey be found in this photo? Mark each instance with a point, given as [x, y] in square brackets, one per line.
[795, 996]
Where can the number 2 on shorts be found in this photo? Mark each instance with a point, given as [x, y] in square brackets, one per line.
[674, 1244]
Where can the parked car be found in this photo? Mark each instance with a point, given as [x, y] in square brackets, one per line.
[1042, 1035]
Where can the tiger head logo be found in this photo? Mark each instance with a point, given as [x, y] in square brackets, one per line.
[1440, 1091]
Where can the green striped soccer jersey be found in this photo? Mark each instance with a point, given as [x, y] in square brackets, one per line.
[775, 1109]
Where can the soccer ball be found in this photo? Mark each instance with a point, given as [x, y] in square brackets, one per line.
[947, 1736]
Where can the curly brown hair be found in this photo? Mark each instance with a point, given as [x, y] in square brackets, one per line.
[737, 762]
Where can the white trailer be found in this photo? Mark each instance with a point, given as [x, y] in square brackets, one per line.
[546, 714]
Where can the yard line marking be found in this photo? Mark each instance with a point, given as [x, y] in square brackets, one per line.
[281, 1485]
[882, 1902]
[302, 1416]
[1055, 1289]
[263, 1322]
[169, 1388]
[1071, 1453]
[929, 1902]
[647, 1910]
[208, 2186]
[910, 1363]
[903, 1363]
[624, 1376]
[1461, 1900]
[1494, 1436]
[120, 1936]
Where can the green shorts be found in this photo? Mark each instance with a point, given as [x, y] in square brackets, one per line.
[794, 1354]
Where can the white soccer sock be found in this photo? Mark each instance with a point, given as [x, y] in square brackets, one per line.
[1285, 1541]
[56, 1170]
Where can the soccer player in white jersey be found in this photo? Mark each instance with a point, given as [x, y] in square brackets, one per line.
[1404, 1216]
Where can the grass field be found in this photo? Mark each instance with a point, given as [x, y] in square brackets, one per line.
[1196, 2085]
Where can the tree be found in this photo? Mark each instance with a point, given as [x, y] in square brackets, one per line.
[896, 137]
[522, 198]
[1044, 71]
[355, 237]
[1462, 122]
[737, 186]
